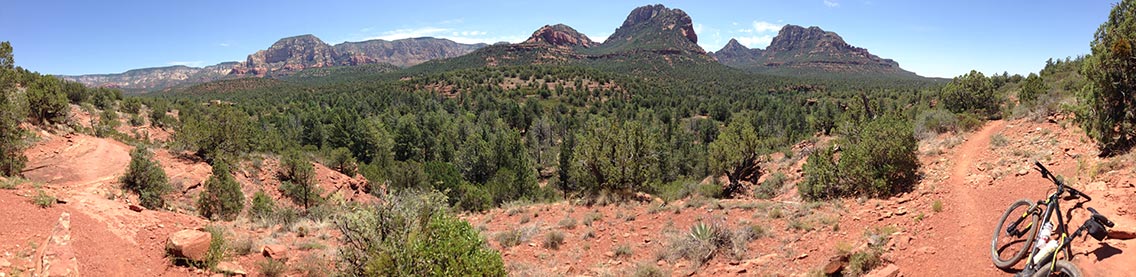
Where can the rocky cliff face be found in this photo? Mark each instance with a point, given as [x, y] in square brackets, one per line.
[293, 54]
[560, 35]
[289, 55]
[654, 28]
[811, 49]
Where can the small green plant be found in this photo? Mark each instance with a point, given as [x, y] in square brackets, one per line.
[525, 219]
[309, 245]
[43, 200]
[937, 206]
[553, 240]
[263, 208]
[776, 213]
[515, 237]
[622, 251]
[272, 267]
[768, 188]
[222, 198]
[861, 263]
[242, 247]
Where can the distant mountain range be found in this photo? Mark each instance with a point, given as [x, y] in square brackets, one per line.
[800, 50]
[286, 56]
[652, 38]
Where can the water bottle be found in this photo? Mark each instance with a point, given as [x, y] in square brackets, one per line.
[1043, 235]
[1045, 251]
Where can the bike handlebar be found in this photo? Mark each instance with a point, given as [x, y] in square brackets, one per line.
[1100, 218]
[1045, 173]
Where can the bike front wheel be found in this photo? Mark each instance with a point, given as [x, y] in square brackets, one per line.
[1058, 268]
[1009, 246]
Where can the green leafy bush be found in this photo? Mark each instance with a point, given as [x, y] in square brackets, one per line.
[878, 159]
[413, 234]
[768, 188]
[263, 208]
[46, 101]
[1108, 114]
[340, 159]
[971, 92]
[146, 177]
[12, 159]
[222, 198]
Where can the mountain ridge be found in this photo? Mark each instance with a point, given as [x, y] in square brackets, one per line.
[812, 50]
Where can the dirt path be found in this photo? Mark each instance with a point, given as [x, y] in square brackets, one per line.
[83, 171]
[957, 240]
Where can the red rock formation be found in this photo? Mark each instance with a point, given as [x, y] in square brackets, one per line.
[559, 35]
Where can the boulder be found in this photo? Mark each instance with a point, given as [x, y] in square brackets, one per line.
[136, 208]
[230, 268]
[1121, 234]
[835, 264]
[275, 251]
[189, 244]
[891, 270]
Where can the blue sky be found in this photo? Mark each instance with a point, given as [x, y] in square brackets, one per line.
[931, 38]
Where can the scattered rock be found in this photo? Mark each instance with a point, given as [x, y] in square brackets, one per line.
[1121, 234]
[275, 251]
[891, 270]
[901, 211]
[802, 256]
[662, 263]
[229, 268]
[190, 244]
[926, 250]
[764, 260]
[609, 254]
[59, 258]
[835, 264]
[4, 263]
[1022, 172]
[136, 208]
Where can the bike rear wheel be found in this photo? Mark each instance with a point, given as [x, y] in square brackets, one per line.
[1007, 250]
[1058, 268]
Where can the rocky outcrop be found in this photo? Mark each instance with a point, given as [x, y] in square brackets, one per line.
[58, 257]
[560, 35]
[655, 28]
[288, 55]
[189, 244]
[812, 49]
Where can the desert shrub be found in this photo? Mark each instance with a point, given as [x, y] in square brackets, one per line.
[132, 105]
[937, 206]
[340, 159]
[272, 267]
[263, 208]
[242, 247]
[46, 101]
[515, 236]
[973, 93]
[219, 132]
[1032, 87]
[222, 198]
[473, 198]
[412, 233]
[553, 240]
[878, 159]
[622, 250]
[12, 159]
[299, 183]
[568, 223]
[674, 190]
[998, 140]
[43, 200]
[649, 270]
[931, 122]
[768, 188]
[1108, 114]
[146, 177]
[701, 242]
[711, 190]
[861, 263]
[137, 120]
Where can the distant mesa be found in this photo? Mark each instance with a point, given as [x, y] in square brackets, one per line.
[797, 49]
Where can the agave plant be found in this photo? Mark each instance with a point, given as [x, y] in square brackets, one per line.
[701, 231]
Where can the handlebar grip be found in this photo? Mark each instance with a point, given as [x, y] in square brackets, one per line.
[1101, 218]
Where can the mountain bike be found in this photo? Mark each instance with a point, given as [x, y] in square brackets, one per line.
[1023, 232]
